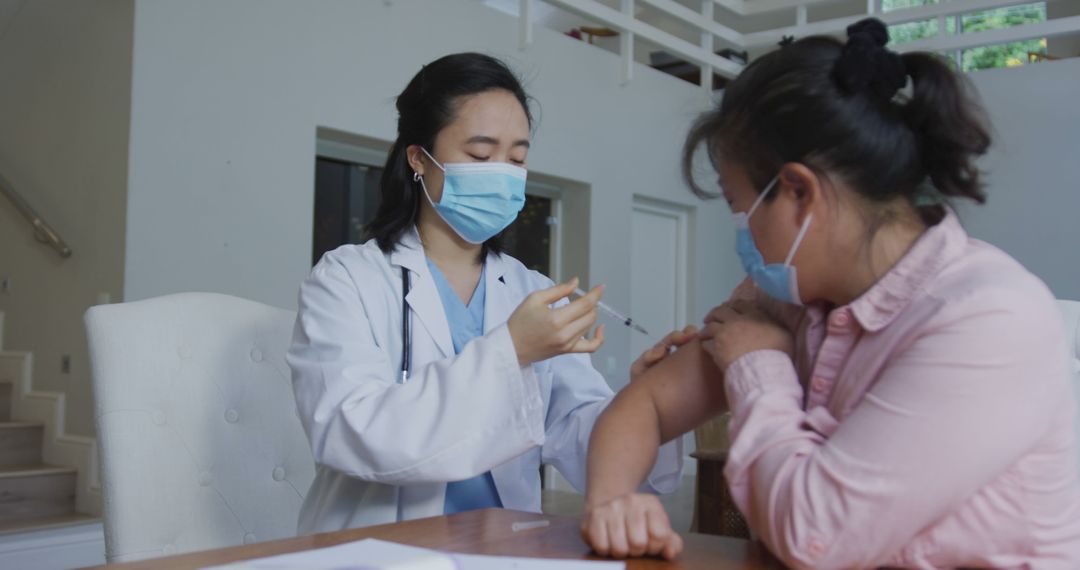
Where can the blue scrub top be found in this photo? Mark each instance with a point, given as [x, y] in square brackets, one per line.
[466, 323]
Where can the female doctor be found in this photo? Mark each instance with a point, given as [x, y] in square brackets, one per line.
[431, 374]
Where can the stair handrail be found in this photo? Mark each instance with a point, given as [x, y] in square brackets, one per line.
[43, 232]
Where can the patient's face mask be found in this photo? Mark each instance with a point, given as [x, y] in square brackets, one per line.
[777, 280]
[479, 199]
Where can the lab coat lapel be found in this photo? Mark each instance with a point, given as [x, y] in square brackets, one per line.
[423, 297]
[498, 306]
[499, 303]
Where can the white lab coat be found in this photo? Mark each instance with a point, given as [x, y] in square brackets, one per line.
[385, 450]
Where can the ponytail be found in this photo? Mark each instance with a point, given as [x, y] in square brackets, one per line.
[950, 127]
[399, 206]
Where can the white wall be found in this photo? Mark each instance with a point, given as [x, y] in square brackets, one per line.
[227, 96]
[1067, 45]
[1033, 170]
[66, 69]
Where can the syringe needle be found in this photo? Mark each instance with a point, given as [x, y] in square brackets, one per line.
[618, 316]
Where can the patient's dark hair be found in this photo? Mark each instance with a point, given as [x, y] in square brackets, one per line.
[838, 108]
[426, 106]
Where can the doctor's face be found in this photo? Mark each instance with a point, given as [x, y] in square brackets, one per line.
[487, 127]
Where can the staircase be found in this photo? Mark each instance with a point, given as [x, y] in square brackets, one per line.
[33, 494]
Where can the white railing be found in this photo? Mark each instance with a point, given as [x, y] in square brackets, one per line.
[702, 53]
[629, 27]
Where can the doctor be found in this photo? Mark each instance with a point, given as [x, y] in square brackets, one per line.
[431, 374]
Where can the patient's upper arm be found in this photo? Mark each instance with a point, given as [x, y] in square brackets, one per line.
[686, 388]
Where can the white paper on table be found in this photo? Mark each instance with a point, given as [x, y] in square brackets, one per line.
[373, 554]
[478, 562]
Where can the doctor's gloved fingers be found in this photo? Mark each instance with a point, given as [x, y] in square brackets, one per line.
[556, 292]
[585, 344]
[570, 333]
[676, 339]
[684, 336]
[579, 307]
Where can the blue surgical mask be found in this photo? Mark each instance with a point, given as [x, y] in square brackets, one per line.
[479, 199]
[778, 281]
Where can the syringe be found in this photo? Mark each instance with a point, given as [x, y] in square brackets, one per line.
[613, 313]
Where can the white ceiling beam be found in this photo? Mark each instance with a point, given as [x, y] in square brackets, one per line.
[752, 7]
[629, 24]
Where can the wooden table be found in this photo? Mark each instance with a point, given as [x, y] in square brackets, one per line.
[487, 532]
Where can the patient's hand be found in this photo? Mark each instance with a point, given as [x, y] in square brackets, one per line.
[663, 348]
[737, 328]
[631, 525]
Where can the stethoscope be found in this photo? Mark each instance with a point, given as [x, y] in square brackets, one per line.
[406, 338]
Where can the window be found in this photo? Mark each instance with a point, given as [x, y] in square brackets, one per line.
[529, 237]
[922, 29]
[1002, 55]
[918, 30]
[347, 197]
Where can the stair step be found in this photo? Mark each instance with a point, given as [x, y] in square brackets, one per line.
[20, 443]
[33, 492]
[7, 390]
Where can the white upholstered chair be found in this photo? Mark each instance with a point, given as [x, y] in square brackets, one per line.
[200, 442]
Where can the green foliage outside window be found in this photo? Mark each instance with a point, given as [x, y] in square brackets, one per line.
[1002, 55]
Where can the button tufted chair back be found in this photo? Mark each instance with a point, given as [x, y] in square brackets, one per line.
[1070, 310]
[200, 442]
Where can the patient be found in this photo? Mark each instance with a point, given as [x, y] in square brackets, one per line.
[899, 391]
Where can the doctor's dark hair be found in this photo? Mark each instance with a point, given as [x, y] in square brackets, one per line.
[839, 108]
[426, 106]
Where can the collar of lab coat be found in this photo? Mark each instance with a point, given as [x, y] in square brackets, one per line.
[424, 300]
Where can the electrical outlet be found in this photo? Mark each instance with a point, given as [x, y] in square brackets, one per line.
[65, 364]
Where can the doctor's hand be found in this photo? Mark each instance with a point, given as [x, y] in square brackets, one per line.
[631, 525]
[674, 339]
[737, 328]
[540, 332]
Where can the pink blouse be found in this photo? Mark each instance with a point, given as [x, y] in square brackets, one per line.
[931, 423]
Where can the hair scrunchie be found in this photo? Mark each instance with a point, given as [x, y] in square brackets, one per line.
[865, 65]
